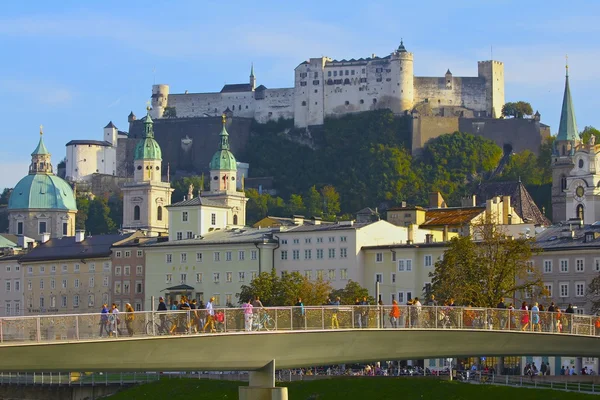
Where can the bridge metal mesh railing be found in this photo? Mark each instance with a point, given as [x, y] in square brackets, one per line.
[48, 328]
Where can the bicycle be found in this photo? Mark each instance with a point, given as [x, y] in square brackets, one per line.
[264, 321]
[161, 325]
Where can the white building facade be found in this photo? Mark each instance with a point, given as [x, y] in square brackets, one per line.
[88, 157]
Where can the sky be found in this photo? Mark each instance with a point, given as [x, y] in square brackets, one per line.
[74, 66]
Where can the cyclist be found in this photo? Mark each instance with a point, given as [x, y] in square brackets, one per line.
[162, 308]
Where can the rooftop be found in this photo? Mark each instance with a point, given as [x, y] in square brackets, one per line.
[286, 221]
[243, 235]
[198, 201]
[568, 237]
[89, 142]
[237, 87]
[340, 226]
[67, 248]
[451, 216]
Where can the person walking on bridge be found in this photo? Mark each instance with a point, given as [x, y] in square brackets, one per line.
[247, 307]
[104, 320]
[129, 318]
[394, 314]
[162, 309]
[210, 316]
[299, 314]
[334, 313]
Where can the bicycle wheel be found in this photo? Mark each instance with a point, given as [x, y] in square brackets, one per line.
[268, 323]
[152, 328]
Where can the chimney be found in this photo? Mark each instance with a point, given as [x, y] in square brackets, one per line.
[469, 201]
[445, 234]
[45, 237]
[79, 235]
[298, 219]
[429, 238]
[316, 220]
[411, 234]
[436, 200]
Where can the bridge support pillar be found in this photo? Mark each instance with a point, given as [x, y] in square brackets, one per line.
[262, 385]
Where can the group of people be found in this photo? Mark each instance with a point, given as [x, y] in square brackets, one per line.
[202, 318]
[110, 320]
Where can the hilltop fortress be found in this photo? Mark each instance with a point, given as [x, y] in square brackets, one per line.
[326, 88]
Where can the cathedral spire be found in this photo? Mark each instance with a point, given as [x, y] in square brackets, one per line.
[41, 147]
[567, 129]
[148, 125]
[224, 135]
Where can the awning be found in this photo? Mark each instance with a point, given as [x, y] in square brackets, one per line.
[180, 288]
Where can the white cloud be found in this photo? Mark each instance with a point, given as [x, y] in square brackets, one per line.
[44, 92]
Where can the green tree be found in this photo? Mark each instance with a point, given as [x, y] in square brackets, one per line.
[257, 206]
[181, 187]
[352, 291]
[5, 196]
[526, 167]
[295, 205]
[481, 272]
[98, 220]
[587, 132]
[593, 294]
[331, 200]
[314, 204]
[115, 204]
[83, 206]
[170, 112]
[517, 109]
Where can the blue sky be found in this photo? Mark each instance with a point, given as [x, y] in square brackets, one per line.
[73, 66]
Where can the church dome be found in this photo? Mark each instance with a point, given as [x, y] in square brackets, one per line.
[42, 191]
[223, 159]
[148, 148]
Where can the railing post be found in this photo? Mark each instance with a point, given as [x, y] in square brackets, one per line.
[292, 318]
[39, 330]
[323, 318]
[77, 327]
[435, 316]
[352, 321]
[276, 323]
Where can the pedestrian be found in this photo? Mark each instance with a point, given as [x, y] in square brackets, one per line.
[210, 316]
[535, 317]
[334, 314]
[365, 312]
[524, 316]
[299, 314]
[394, 314]
[247, 307]
[162, 309]
[357, 313]
[417, 312]
[104, 320]
[194, 315]
[129, 318]
[201, 315]
[114, 320]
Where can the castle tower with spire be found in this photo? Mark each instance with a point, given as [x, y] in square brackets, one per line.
[223, 185]
[145, 199]
[575, 169]
[42, 205]
[252, 77]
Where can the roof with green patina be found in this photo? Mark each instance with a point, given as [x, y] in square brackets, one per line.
[148, 148]
[42, 191]
[567, 129]
[41, 148]
[223, 159]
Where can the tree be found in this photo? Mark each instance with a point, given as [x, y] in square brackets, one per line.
[83, 206]
[525, 166]
[593, 294]
[181, 187]
[517, 109]
[481, 272]
[295, 205]
[331, 200]
[257, 206]
[170, 112]
[5, 196]
[115, 203]
[587, 132]
[98, 220]
[351, 292]
[314, 206]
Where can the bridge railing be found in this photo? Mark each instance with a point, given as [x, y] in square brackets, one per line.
[70, 327]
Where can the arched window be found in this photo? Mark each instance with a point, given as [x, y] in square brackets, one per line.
[563, 183]
[136, 213]
[159, 213]
[580, 212]
[564, 150]
[235, 220]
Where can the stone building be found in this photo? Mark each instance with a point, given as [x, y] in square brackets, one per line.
[144, 199]
[42, 203]
[128, 272]
[324, 87]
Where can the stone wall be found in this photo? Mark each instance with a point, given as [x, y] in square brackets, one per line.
[425, 128]
[465, 92]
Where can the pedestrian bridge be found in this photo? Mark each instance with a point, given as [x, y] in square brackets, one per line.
[151, 341]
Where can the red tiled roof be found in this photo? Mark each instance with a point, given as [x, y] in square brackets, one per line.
[451, 216]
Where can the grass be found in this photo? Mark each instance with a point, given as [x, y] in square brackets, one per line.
[347, 389]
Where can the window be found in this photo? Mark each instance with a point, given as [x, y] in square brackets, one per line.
[136, 213]
[126, 270]
[331, 239]
[52, 284]
[319, 240]
[139, 270]
[19, 228]
[216, 277]
[118, 254]
[343, 252]
[183, 257]
[17, 285]
[296, 241]
[29, 285]
[179, 236]
[17, 308]
[184, 216]
[118, 270]
[401, 265]
[579, 289]
[564, 289]
[8, 286]
[393, 277]
[319, 274]
[227, 256]
[379, 257]
[241, 255]
[284, 255]
[344, 273]
[547, 266]
[169, 278]
[76, 300]
[254, 275]
[229, 277]
[578, 311]
[217, 297]
[140, 253]
[42, 227]
[127, 253]
[217, 256]
[597, 264]
[41, 284]
[283, 241]
[106, 267]
[42, 305]
[529, 267]
[8, 310]
[30, 270]
[331, 253]
[379, 278]
[241, 276]
[296, 254]
[409, 265]
[118, 287]
[253, 254]
[91, 267]
[91, 282]
[76, 283]
[42, 269]
[428, 260]
[159, 213]
[579, 265]
[199, 257]
[183, 278]
[331, 274]
[105, 281]
[564, 265]
[343, 238]
[308, 274]
[168, 258]
[189, 235]
[213, 219]
[199, 277]
[307, 254]
[319, 254]
[307, 240]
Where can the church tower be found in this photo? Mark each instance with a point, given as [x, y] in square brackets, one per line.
[144, 199]
[563, 155]
[223, 168]
[252, 77]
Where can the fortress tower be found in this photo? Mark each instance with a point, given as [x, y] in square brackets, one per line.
[160, 100]
[402, 67]
[493, 74]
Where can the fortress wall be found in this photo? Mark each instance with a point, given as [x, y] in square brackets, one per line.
[425, 128]
[467, 92]
[278, 103]
[213, 104]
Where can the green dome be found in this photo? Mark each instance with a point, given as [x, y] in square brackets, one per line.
[148, 149]
[223, 160]
[42, 191]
